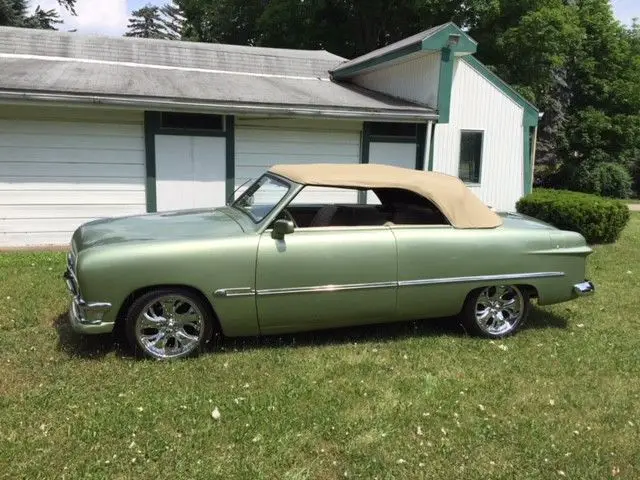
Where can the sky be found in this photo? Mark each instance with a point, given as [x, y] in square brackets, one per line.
[109, 17]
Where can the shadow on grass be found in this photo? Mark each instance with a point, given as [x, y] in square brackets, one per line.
[87, 346]
[388, 332]
[98, 346]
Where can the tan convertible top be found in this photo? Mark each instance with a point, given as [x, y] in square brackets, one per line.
[459, 204]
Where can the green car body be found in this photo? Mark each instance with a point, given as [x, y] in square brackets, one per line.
[313, 278]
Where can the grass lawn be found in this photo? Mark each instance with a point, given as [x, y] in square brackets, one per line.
[559, 400]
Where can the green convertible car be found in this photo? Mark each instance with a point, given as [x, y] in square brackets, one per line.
[391, 245]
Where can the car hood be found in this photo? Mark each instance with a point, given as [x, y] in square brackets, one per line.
[165, 226]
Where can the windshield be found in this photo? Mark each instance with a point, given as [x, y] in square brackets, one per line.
[261, 198]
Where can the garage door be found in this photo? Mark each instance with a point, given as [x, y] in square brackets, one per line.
[261, 144]
[56, 175]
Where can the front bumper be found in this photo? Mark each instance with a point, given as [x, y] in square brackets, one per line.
[85, 317]
[584, 288]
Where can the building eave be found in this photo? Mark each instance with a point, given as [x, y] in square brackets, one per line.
[407, 114]
[433, 40]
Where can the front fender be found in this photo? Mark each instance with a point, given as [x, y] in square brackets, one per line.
[111, 273]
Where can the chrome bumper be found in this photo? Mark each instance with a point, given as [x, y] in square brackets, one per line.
[85, 317]
[584, 288]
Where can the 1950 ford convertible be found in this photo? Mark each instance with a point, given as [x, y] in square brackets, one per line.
[391, 245]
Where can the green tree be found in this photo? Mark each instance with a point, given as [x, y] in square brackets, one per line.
[173, 20]
[15, 13]
[147, 22]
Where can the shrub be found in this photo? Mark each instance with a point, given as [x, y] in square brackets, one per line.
[599, 220]
[605, 179]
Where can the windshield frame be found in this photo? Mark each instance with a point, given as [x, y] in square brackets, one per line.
[254, 187]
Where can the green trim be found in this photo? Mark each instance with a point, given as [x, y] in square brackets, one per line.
[190, 133]
[421, 145]
[391, 139]
[230, 131]
[437, 39]
[527, 171]
[364, 155]
[151, 126]
[440, 39]
[431, 146]
[445, 85]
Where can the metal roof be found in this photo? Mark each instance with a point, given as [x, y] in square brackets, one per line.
[43, 65]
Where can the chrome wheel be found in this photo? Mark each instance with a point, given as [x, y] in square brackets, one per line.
[499, 309]
[170, 326]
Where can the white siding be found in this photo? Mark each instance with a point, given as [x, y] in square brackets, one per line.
[415, 79]
[62, 167]
[190, 172]
[261, 143]
[396, 154]
[476, 104]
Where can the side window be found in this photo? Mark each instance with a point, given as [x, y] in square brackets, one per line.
[470, 156]
[404, 207]
[319, 207]
[325, 195]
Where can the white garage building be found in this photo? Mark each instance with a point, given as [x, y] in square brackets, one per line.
[97, 126]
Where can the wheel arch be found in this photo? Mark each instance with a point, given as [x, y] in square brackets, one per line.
[134, 295]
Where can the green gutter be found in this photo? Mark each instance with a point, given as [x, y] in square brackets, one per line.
[445, 85]
[151, 126]
[431, 146]
[230, 130]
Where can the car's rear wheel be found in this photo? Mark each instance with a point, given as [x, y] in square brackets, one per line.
[496, 311]
[169, 323]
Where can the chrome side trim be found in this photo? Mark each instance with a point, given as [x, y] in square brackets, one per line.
[479, 278]
[327, 288]
[235, 292]
[243, 292]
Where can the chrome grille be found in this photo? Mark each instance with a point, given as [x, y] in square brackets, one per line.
[70, 275]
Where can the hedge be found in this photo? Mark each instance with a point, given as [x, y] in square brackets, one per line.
[599, 220]
[606, 179]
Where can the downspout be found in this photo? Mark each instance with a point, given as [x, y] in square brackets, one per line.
[427, 149]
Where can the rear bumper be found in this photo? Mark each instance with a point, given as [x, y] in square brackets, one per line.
[584, 288]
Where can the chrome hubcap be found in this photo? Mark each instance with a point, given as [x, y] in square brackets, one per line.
[170, 326]
[499, 309]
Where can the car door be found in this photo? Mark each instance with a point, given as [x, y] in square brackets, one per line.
[436, 268]
[326, 277]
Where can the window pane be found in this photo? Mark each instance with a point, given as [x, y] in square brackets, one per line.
[192, 121]
[325, 195]
[261, 197]
[470, 156]
[393, 129]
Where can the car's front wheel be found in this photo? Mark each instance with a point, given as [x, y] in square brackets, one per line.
[169, 323]
[496, 311]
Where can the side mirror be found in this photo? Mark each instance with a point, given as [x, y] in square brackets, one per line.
[281, 228]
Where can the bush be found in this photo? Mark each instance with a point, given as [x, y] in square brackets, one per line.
[605, 179]
[599, 220]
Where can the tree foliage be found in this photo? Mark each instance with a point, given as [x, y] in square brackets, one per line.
[151, 21]
[15, 13]
[173, 20]
[146, 22]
